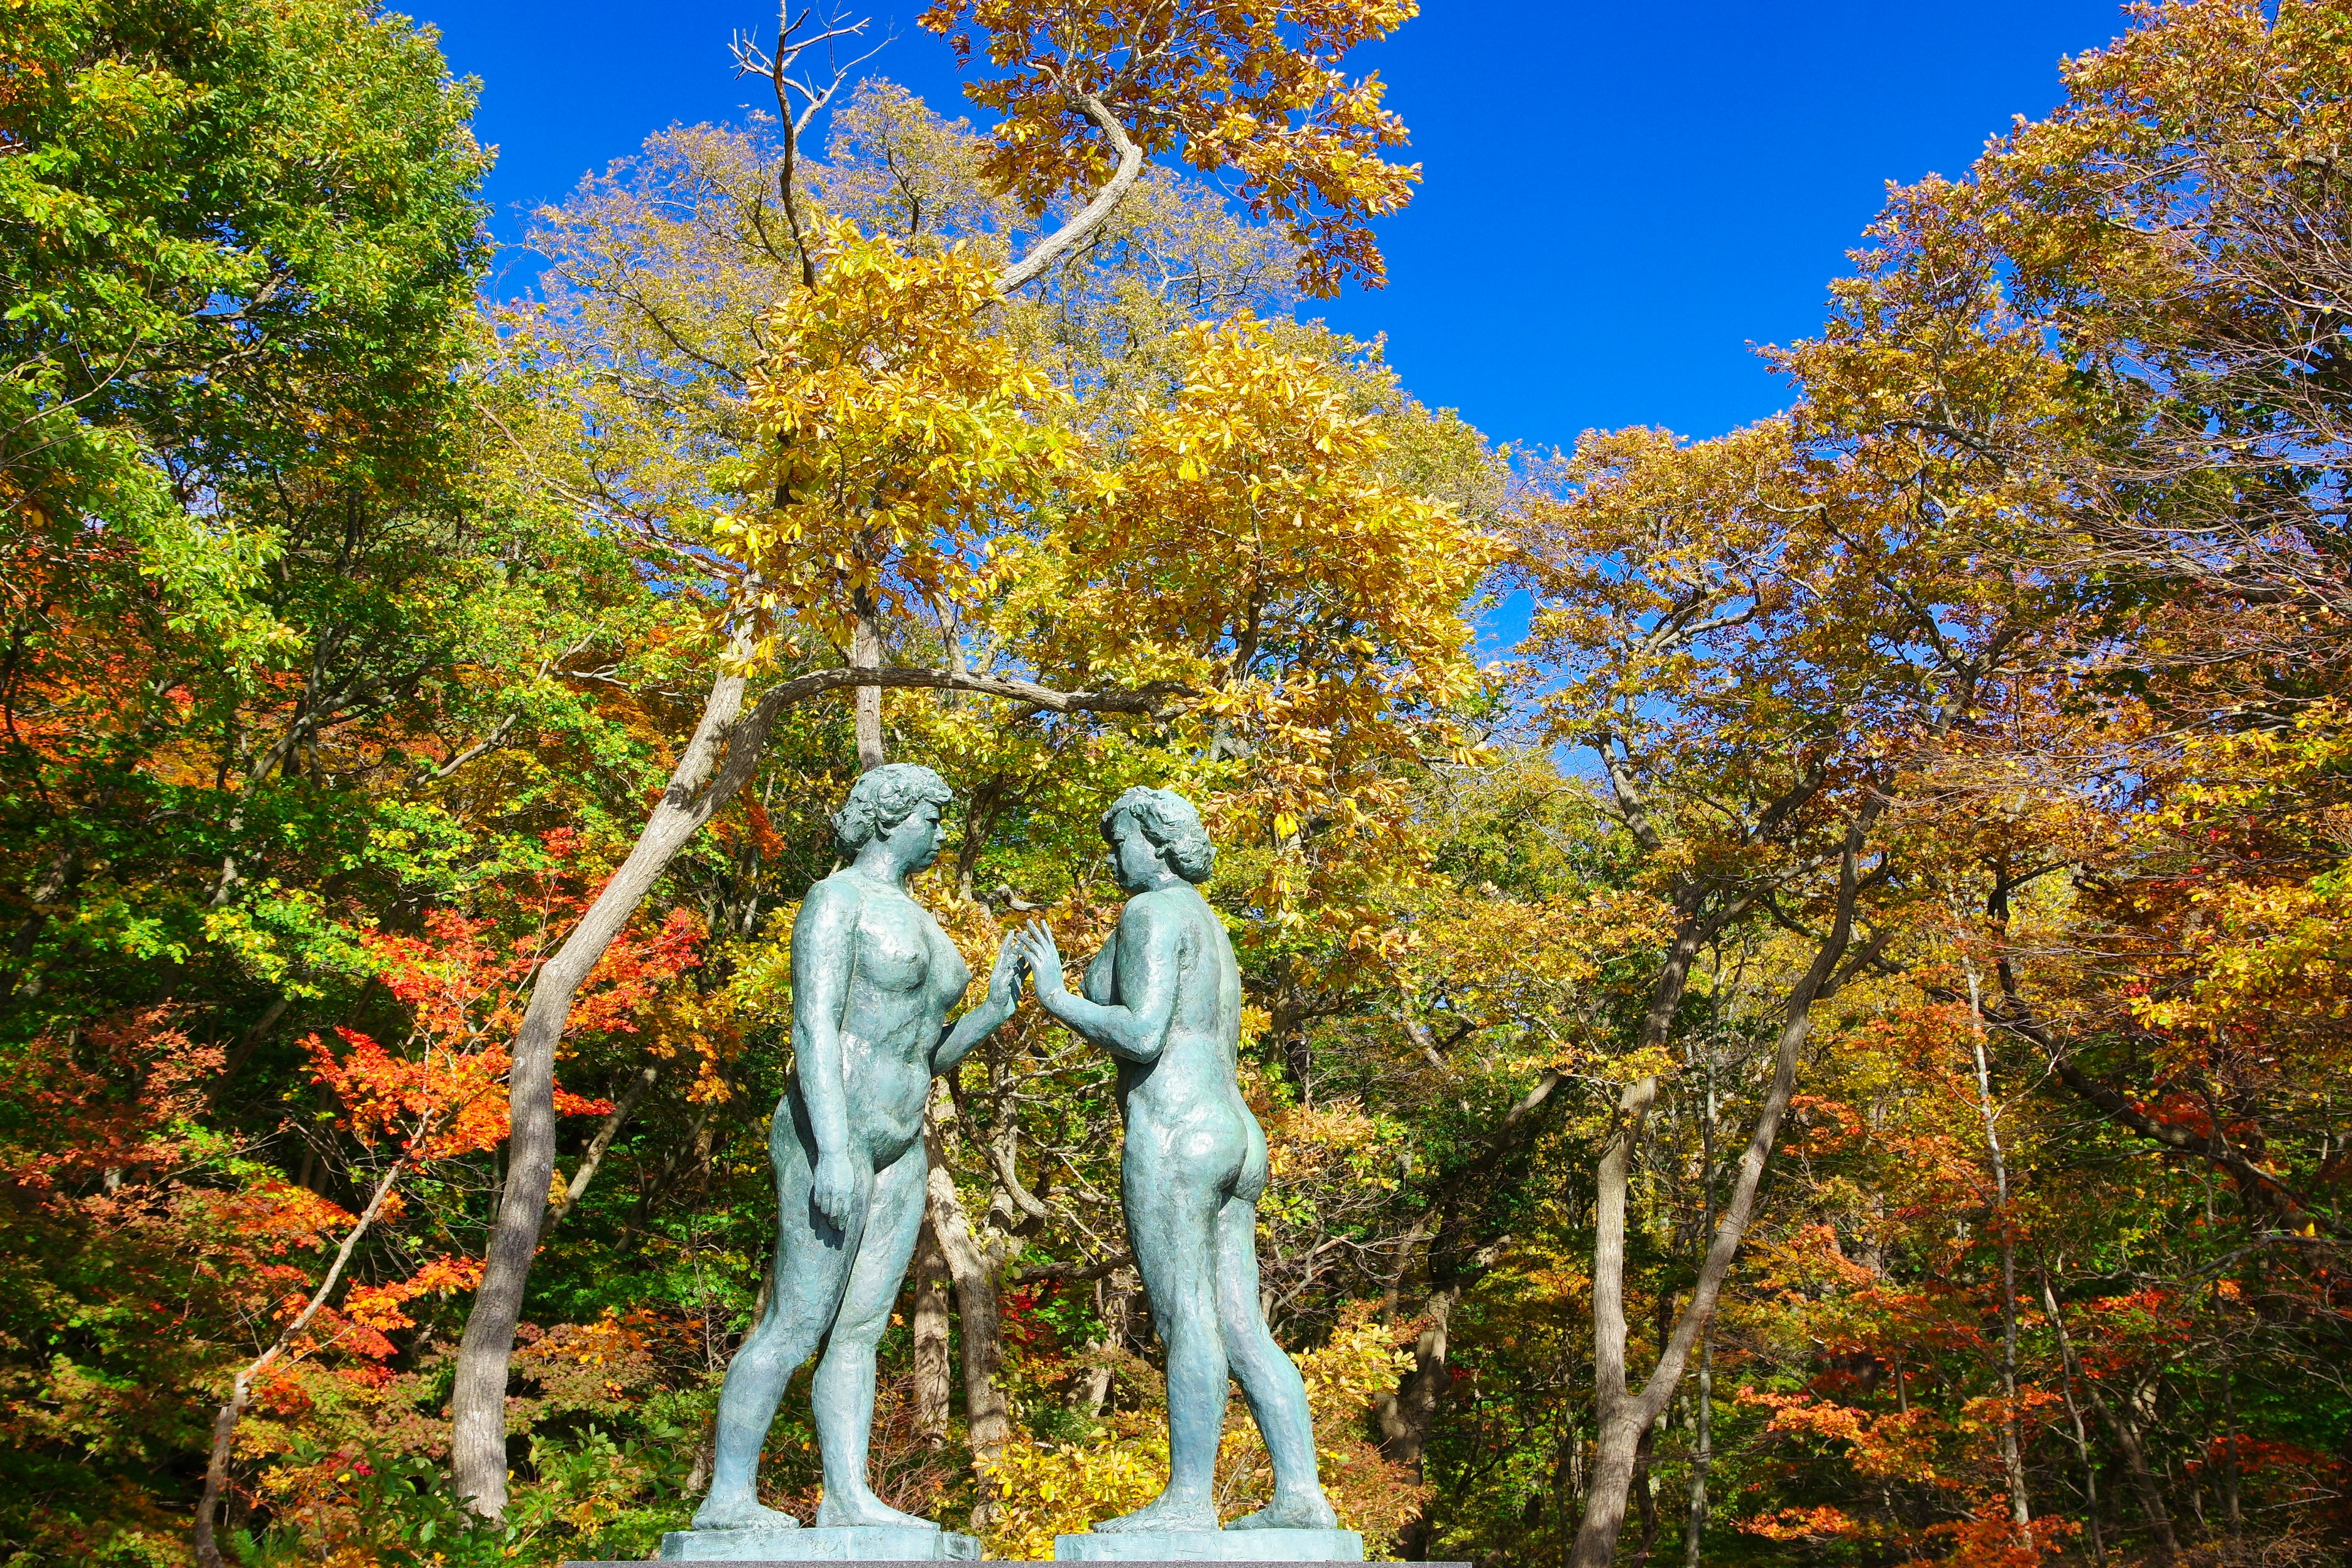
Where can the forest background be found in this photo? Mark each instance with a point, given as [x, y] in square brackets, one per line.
[1831, 1049]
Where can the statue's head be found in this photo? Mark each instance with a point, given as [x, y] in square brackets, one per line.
[898, 802]
[1164, 823]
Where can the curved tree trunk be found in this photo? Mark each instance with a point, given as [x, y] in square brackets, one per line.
[477, 1453]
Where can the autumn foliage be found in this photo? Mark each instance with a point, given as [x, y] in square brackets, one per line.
[1914, 832]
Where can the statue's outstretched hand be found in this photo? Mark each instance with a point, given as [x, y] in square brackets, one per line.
[1044, 957]
[1004, 981]
[832, 1187]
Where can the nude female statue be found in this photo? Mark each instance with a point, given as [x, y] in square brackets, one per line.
[1164, 997]
[873, 977]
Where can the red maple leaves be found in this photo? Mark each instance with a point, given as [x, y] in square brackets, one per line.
[442, 1091]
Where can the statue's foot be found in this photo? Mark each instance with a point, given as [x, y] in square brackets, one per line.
[866, 1509]
[1167, 1511]
[743, 1513]
[1291, 1510]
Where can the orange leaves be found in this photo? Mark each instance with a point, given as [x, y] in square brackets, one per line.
[436, 1105]
[1897, 1447]
[637, 968]
[378, 1307]
[1250, 88]
[132, 1116]
[273, 1216]
[442, 1093]
[1991, 1537]
[1811, 1525]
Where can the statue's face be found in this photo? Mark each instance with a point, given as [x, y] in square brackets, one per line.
[1135, 860]
[915, 841]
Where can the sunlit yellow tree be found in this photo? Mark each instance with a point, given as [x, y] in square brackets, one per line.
[906, 430]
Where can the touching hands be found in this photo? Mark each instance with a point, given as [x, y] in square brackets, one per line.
[1037, 949]
[1004, 981]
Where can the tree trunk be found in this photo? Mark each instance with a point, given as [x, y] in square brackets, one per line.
[1702, 1452]
[930, 1333]
[248, 1044]
[866, 653]
[1703, 1412]
[2012, 1457]
[224, 1424]
[1609, 1487]
[987, 1416]
[1645, 1497]
[1458, 1256]
[2067, 1370]
[1623, 1421]
[1403, 1418]
[1625, 1415]
[1114, 1303]
[479, 1439]
[600, 1145]
[2144, 1482]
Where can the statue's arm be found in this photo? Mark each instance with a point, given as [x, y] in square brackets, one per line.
[824, 938]
[1149, 957]
[957, 1039]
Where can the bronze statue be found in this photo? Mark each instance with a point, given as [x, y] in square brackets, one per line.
[873, 978]
[1164, 997]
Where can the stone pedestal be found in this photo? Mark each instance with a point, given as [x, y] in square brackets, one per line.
[821, 1543]
[1161, 1546]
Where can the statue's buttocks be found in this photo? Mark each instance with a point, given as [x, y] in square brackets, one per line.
[1164, 997]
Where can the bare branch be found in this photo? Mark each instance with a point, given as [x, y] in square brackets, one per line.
[752, 60]
[1091, 216]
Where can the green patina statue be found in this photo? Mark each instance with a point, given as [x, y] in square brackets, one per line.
[1164, 997]
[873, 978]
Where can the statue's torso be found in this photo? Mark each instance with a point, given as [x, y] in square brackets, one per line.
[904, 976]
[1186, 1103]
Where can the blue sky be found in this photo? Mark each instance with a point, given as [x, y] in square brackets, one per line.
[1617, 200]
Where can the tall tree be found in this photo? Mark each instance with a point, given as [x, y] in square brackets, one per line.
[1115, 57]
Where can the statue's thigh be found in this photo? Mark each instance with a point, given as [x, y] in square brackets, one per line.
[813, 1259]
[894, 1220]
[1171, 1222]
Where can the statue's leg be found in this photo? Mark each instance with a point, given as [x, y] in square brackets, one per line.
[843, 1388]
[812, 1267]
[1172, 1223]
[1269, 1380]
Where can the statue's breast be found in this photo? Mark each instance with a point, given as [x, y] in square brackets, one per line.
[894, 947]
[950, 972]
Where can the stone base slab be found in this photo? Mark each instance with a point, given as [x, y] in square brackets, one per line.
[821, 1543]
[1211, 1546]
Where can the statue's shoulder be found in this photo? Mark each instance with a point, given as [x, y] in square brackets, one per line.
[1158, 909]
[834, 898]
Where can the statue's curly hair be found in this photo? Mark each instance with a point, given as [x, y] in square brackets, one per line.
[884, 798]
[1174, 828]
